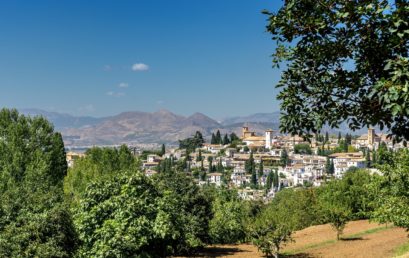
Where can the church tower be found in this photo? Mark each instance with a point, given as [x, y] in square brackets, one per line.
[371, 136]
[269, 136]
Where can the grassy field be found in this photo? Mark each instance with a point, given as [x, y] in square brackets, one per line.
[360, 239]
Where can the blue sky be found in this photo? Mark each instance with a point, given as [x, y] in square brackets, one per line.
[103, 57]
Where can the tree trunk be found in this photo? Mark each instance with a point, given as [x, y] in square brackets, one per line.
[276, 251]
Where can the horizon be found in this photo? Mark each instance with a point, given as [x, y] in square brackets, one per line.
[88, 59]
[33, 109]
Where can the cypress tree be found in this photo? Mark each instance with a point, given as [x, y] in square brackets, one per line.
[269, 182]
[163, 150]
[199, 156]
[226, 140]
[284, 158]
[328, 166]
[260, 170]
[218, 137]
[213, 140]
[368, 159]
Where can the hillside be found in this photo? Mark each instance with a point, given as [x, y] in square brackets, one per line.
[361, 239]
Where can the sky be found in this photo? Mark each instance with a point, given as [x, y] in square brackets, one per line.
[101, 58]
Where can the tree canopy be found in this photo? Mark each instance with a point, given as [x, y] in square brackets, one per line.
[34, 221]
[344, 61]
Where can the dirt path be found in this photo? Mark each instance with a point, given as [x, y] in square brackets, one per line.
[363, 239]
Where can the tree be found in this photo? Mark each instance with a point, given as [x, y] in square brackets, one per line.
[345, 61]
[34, 220]
[199, 156]
[289, 210]
[284, 158]
[190, 144]
[335, 206]
[234, 137]
[98, 164]
[227, 225]
[163, 150]
[390, 191]
[218, 137]
[210, 160]
[131, 215]
[225, 140]
[368, 159]
[302, 148]
[339, 137]
[327, 166]
[213, 140]
[269, 182]
[326, 137]
[260, 171]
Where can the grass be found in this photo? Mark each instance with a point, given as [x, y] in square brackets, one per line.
[366, 232]
[401, 250]
[356, 236]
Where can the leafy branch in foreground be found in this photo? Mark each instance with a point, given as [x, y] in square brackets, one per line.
[345, 61]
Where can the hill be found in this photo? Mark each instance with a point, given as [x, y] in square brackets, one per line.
[361, 239]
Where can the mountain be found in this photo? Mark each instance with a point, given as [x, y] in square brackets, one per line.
[149, 130]
[60, 120]
[140, 128]
[273, 117]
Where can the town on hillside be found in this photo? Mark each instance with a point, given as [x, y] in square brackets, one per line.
[260, 165]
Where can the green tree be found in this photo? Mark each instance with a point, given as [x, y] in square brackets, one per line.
[269, 182]
[225, 140]
[213, 140]
[328, 166]
[34, 220]
[335, 206]
[163, 150]
[302, 148]
[368, 159]
[234, 137]
[210, 160]
[218, 137]
[98, 164]
[227, 225]
[318, 41]
[199, 156]
[260, 171]
[326, 137]
[390, 191]
[284, 158]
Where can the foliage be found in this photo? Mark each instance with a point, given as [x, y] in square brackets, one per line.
[335, 206]
[284, 159]
[189, 211]
[345, 60]
[303, 148]
[34, 221]
[227, 225]
[130, 216]
[190, 144]
[270, 230]
[391, 190]
[98, 164]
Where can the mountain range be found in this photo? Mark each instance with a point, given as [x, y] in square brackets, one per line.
[149, 130]
[146, 129]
